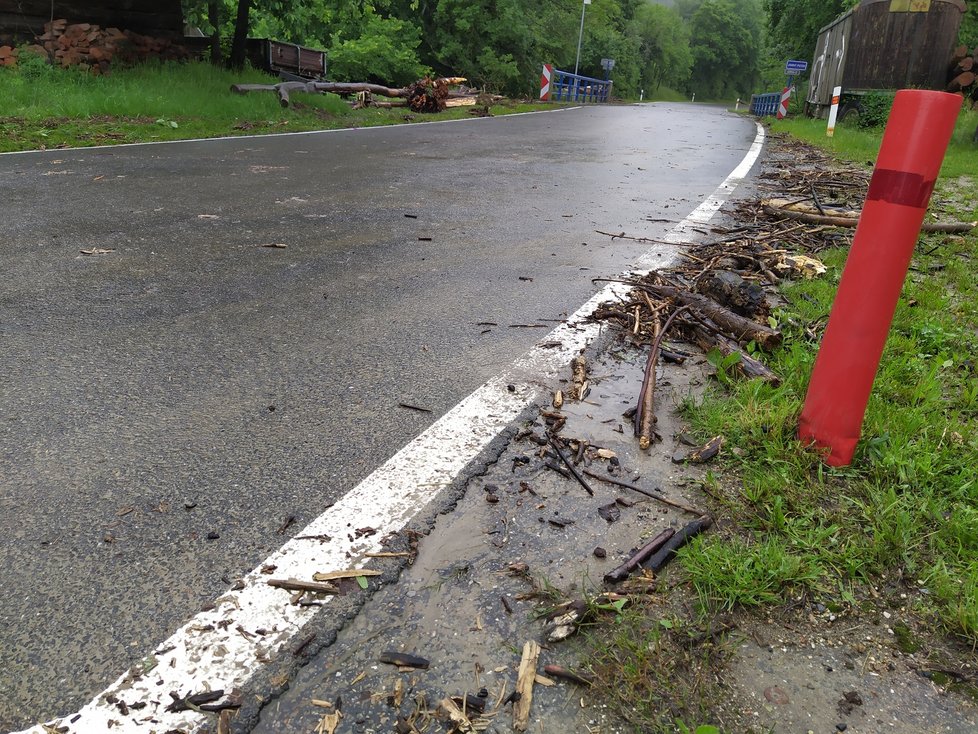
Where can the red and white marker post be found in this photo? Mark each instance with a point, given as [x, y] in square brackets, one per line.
[783, 106]
[834, 112]
[545, 79]
[916, 138]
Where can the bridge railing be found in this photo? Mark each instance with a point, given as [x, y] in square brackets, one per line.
[762, 105]
[567, 87]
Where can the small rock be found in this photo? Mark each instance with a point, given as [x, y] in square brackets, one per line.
[492, 498]
[188, 505]
[841, 727]
[600, 552]
[511, 388]
[213, 535]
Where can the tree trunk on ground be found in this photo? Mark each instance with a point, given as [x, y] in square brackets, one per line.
[239, 44]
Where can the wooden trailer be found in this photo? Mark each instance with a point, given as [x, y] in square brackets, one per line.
[883, 45]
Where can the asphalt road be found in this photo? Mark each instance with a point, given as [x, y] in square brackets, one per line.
[192, 383]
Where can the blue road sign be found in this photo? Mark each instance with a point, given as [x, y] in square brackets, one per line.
[795, 67]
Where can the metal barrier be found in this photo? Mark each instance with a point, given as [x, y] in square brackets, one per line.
[567, 87]
[765, 104]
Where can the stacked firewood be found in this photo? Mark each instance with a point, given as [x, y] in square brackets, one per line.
[8, 56]
[962, 75]
[88, 47]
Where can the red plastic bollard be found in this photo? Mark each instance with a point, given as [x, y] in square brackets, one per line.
[916, 138]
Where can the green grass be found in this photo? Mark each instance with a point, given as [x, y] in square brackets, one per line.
[907, 508]
[46, 107]
[861, 146]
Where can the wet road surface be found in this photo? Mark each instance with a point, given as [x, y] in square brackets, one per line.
[168, 405]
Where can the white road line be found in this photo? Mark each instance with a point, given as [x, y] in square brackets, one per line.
[211, 652]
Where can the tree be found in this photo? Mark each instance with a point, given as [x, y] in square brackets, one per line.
[725, 40]
[663, 46]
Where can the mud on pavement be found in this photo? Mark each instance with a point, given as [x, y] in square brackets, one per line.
[522, 540]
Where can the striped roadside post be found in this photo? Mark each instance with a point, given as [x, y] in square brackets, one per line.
[916, 138]
[783, 106]
[834, 112]
[545, 78]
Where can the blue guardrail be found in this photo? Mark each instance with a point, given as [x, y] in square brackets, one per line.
[567, 87]
[765, 104]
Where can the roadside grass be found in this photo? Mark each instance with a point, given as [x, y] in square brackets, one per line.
[862, 146]
[46, 107]
[907, 508]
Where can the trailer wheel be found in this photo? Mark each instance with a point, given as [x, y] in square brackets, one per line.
[850, 112]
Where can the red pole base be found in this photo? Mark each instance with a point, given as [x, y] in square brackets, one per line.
[916, 138]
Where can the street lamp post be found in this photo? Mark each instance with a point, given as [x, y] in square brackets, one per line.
[580, 37]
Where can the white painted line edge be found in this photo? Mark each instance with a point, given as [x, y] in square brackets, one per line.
[221, 648]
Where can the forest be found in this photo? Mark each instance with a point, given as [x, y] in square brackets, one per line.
[716, 49]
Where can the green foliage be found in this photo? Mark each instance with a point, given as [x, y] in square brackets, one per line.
[726, 41]
[874, 110]
[969, 27]
[664, 56]
[384, 51]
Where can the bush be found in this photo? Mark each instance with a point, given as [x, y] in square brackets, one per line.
[874, 110]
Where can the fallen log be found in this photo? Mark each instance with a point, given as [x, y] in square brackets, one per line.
[851, 222]
[439, 87]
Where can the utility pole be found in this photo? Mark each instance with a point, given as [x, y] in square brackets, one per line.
[580, 37]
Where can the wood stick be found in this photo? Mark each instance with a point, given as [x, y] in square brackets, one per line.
[648, 493]
[524, 685]
[573, 469]
[556, 671]
[646, 403]
[669, 548]
[709, 339]
[639, 556]
[742, 328]
[298, 585]
[946, 227]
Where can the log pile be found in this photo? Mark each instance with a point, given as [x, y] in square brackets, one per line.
[962, 73]
[962, 76]
[89, 47]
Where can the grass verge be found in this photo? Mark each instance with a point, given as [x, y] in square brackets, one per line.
[45, 107]
[908, 505]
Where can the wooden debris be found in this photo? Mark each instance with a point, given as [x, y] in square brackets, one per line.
[645, 417]
[423, 95]
[578, 378]
[404, 660]
[639, 557]
[705, 452]
[451, 711]
[303, 586]
[573, 469]
[524, 685]
[669, 548]
[659, 497]
[565, 620]
[852, 220]
[564, 674]
[329, 722]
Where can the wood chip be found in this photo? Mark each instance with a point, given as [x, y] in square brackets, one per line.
[524, 685]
